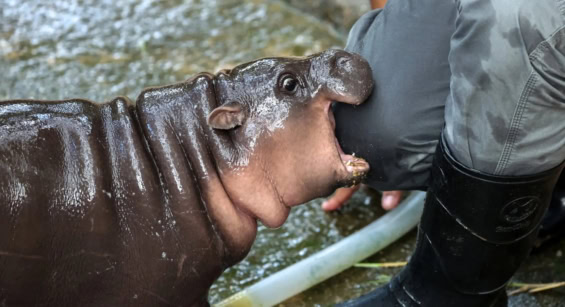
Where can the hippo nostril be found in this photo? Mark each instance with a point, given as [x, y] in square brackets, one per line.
[342, 61]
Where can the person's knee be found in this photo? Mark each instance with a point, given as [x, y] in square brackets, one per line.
[397, 129]
[397, 143]
[413, 138]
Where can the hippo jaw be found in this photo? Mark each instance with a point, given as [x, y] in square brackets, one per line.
[344, 78]
[284, 130]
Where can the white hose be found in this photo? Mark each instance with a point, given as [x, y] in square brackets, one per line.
[333, 259]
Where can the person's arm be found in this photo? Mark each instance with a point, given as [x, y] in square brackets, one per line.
[375, 4]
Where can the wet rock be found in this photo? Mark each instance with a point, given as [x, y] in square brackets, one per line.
[522, 300]
[340, 13]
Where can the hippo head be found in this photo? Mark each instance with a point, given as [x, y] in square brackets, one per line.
[277, 112]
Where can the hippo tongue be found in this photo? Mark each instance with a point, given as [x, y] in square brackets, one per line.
[356, 166]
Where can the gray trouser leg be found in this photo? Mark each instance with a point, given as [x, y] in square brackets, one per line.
[505, 106]
[506, 111]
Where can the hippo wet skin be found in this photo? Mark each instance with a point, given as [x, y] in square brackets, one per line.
[146, 204]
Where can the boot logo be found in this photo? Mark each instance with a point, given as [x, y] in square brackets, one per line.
[520, 209]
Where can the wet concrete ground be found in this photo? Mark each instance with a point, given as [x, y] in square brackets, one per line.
[98, 49]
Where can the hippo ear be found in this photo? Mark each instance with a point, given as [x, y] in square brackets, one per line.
[227, 116]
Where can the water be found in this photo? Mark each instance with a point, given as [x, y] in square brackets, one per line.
[307, 230]
[98, 49]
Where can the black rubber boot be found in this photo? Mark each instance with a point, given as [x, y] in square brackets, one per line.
[475, 232]
[553, 223]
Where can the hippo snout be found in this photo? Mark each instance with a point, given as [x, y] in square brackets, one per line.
[346, 76]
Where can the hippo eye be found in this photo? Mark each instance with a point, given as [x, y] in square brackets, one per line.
[289, 84]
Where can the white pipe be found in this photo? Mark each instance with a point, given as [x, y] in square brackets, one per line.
[333, 259]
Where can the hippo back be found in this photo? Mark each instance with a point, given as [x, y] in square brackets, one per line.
[85, 216]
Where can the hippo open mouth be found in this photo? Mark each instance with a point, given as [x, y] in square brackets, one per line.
[356, 167]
